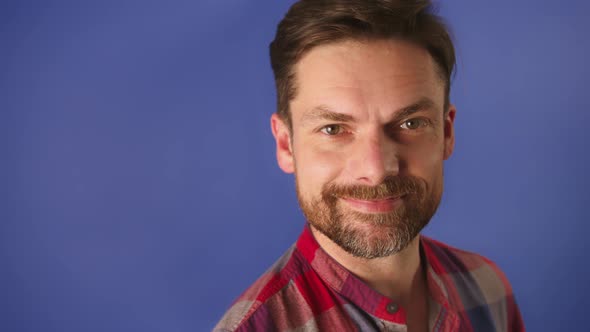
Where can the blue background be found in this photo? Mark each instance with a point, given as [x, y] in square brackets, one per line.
[138, 184]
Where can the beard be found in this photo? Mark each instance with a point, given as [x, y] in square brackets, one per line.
[373, 235]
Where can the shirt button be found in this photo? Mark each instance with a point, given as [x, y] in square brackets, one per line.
[392, 308]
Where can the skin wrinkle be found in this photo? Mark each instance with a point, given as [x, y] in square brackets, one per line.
[408, 78]
[325, 112]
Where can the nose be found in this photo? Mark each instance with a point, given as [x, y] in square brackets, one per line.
[374, 158]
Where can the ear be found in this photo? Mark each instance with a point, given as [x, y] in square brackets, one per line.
[449, 128]
[282, 135]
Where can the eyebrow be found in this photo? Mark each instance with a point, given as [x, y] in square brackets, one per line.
[323, 112]
[422, 104]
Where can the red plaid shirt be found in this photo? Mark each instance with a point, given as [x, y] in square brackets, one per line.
[307, 290]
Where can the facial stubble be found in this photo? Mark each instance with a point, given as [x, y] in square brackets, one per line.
[372, 235]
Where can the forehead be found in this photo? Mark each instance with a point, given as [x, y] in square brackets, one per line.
[376, 73]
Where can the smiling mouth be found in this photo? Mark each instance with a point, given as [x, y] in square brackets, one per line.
[383, 205]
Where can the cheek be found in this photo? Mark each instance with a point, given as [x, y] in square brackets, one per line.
[316, 167]
[425, 159]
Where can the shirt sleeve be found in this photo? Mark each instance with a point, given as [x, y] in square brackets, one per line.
[515, 321]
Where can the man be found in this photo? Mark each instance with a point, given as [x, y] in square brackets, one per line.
[364, 122]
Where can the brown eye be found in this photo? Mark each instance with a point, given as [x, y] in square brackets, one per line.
[412, 124]
[331, 130]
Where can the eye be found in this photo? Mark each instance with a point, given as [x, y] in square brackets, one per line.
[331, 130]
[413, 124]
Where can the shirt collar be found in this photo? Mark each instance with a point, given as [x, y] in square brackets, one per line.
[358, 292]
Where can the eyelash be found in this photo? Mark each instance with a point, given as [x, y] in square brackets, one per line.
[423, 123]
[340, 128]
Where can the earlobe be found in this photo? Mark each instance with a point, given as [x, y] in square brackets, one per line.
[449, 128]
[282, 136]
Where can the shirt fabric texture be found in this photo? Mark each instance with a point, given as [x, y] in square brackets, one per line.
[307, 290]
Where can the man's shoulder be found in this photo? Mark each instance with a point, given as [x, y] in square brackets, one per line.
[465, 266]
[252, 309]
[474, 285]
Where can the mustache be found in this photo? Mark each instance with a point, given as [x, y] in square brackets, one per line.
[390, 187]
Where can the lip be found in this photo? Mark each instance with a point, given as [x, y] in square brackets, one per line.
[374, 206]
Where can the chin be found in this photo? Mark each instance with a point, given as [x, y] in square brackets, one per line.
[369, 239]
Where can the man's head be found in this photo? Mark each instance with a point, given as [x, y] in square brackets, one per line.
[364, 119]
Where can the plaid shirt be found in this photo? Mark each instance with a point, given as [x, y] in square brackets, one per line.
[307, 290]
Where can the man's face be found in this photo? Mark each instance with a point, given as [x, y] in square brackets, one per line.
[368, 141]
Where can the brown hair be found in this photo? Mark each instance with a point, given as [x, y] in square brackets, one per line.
[310, 23]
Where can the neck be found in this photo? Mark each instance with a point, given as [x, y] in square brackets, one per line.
[399, 276]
